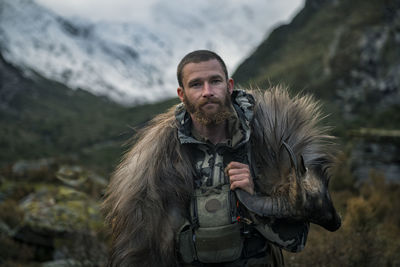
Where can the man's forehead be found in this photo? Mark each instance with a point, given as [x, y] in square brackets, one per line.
[210, 67]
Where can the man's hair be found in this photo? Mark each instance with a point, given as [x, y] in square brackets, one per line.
[197, 57]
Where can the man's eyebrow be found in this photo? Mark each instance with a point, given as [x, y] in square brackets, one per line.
[194, 80]
[216, 76]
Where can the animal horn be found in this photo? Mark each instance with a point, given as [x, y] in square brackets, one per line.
[314, 207]
[292, 156]
[293, 160]
[266, 206]
[273, 206]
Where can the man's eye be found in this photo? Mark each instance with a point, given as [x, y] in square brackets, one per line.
[195, 84]
[216, 81]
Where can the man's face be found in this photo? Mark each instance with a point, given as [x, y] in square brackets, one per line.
[206, 92]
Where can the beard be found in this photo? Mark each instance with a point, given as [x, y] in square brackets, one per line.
[223, 112]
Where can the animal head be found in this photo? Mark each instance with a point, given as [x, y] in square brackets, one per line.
[294, 153]
[310, 190]
[318, 204]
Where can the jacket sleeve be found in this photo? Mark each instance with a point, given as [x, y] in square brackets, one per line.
[287, 234]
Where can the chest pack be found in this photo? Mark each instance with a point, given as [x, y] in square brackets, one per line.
[214, 234]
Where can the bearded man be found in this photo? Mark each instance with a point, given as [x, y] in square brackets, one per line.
[226, 178]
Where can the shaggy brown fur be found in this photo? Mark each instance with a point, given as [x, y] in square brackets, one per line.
[278, 118]
[150, 191]
[146, 195]
[295, 121]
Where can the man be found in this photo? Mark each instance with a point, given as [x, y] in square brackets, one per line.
[200, 187]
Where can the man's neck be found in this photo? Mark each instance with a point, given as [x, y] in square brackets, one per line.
[216, 133]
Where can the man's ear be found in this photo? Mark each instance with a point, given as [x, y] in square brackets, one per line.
[181, 93]
[231, 84]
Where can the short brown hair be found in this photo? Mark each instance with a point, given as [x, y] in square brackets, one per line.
[196, 57]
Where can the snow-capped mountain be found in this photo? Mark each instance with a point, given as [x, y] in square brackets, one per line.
[129, 62]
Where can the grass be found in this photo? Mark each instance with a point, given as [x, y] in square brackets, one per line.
[46, 119]
[318, 53]
[371, 222]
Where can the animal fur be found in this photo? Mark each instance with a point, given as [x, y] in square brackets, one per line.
[294, 121]
[150, 190]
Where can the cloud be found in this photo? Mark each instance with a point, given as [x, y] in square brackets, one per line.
[128, 10]
[116, 10]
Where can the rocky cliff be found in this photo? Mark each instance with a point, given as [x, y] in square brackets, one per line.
[346, 52]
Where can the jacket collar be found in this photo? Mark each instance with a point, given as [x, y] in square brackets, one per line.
[242, 103]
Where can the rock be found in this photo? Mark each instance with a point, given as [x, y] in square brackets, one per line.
[23, 167]
[376, 150]
[66, 263]
[64, 222]
[54, 212]
[83, 180]
[59, 209]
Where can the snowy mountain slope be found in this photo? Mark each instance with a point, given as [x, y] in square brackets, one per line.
[130, 62]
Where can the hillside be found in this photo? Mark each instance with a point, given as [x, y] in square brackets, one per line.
[42, 118]
[58, 146]
[118, 59]
[345, 52]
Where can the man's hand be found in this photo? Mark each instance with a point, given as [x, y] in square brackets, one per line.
[240, 176]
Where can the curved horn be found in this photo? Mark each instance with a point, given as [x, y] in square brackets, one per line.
[266, 206]
[292, 156]
[314, 206]
[278, 207]
[271, 206]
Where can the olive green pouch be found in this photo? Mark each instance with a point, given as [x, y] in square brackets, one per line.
[218, 238]
[186, 243]
[218, 244]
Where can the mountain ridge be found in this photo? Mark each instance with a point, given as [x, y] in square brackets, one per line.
[344, 52]
[120, 59]
[46, 119]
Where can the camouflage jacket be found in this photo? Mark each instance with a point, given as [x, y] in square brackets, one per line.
[210, 160]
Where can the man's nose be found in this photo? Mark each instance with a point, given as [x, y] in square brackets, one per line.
[207, 90]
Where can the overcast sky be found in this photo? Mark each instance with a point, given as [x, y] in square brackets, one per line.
[139, 10]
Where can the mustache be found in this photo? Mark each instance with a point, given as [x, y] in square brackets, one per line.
[211, 100]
